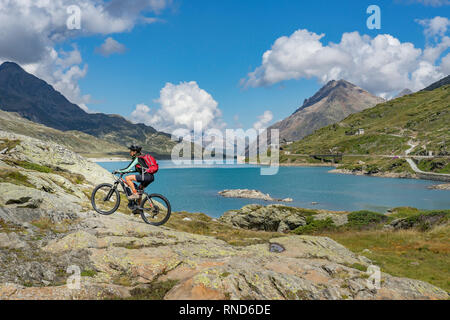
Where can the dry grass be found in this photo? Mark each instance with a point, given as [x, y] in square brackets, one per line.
[407, 253]
[8, 227]
[8, 144]
[203, 225]
[75, 178]
[15, 177]
[45, 224]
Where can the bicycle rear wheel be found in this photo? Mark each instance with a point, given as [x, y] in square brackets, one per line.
[155, 209]
[105, 199]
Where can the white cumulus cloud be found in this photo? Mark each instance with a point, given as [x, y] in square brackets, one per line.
[263, 120]
[180, 106]
[110, 46]
[445, 64]
[436, 26]
[141, 114]
[30, 31]
[382, 65]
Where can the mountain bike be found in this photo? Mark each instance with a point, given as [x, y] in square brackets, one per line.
[154, 209]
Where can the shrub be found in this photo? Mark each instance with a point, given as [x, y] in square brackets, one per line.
[372, 168]
[314, 226]
[35, 167]
[30, 166]
[365, 218]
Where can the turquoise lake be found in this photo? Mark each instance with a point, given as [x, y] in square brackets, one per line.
[194, 189]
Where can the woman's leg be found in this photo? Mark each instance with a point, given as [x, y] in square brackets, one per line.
[148, 179]
[129, 180]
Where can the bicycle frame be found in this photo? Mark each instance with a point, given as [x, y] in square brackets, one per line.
[122, 182]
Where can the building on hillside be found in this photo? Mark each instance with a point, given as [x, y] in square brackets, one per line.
[353, 132]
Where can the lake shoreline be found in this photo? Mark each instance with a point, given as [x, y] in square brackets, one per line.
[97, 160]
[306, 165]
[394, 175]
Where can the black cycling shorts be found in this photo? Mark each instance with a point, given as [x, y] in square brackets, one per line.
[145, 180]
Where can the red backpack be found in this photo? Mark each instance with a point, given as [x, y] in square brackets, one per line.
[152, 165]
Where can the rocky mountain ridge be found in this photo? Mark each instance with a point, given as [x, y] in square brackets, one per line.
[36, 100]
[332, 103]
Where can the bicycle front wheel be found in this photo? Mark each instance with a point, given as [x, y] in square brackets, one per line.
[155, 209]
[105, 199]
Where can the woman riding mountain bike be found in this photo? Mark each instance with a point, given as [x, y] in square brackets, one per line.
[154, 208]
[139, 164]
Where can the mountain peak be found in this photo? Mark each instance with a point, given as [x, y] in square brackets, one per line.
[8, 65]
[332, 103]
[404, 92]
[327, 90]
[341, 82]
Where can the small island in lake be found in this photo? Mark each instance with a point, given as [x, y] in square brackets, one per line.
[251, 194]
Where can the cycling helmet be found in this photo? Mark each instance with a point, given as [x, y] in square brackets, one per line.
[135, 148]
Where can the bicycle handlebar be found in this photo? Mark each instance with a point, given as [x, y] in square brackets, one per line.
[115, 174]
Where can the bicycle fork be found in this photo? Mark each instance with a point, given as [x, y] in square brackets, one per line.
[109, 195]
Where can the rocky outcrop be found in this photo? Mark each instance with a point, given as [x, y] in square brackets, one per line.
[117, 254]
[444, 186]
[251, 194]
[278, 218]
[54, 156]
[400, 175]
[339, 219]
[420, 221]
[37, 174]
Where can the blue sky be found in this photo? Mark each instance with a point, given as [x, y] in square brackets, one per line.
[217, 43]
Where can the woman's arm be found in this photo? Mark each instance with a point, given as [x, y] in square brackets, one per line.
[130, 167]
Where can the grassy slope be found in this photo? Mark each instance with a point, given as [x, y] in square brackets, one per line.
[407, 253]
[422, 117]
[422, 252]
[77, 141]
